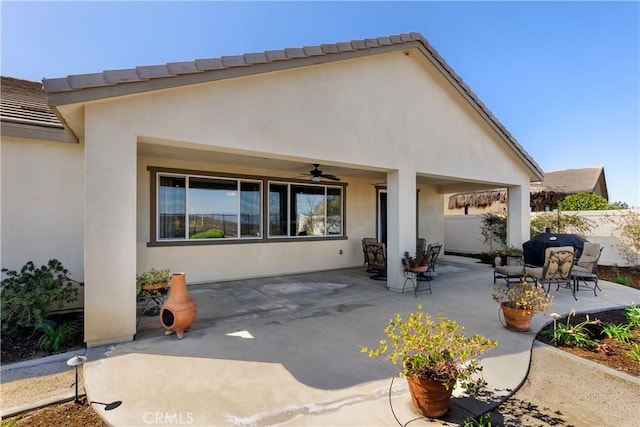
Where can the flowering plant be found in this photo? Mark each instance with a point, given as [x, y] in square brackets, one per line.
[420, 260]
[433, 349]
[524, 296]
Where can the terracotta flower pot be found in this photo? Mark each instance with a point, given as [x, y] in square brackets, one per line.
[517, 319]
[429, 397]
[179, 310]
[155, 288]
[418, 268]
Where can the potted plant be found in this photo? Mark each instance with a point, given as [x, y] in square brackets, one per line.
[520, 302]
[153, 281]
[418, 264]
[434, 356]
[513, 251]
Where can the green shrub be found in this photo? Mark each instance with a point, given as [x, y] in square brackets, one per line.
[560, 222]
[568, 335]
[52, 337]
[28, 295]
[633, 315]
[583, 202]
[627, 229]
[212, 233]
[483, 420]
[494, 228]
[618, 332]
[622, 280]
[635, 352]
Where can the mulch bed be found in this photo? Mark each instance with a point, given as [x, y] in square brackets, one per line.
[617, 355]
[25, 345]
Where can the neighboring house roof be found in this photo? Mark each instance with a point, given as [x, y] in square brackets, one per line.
[111, 83]
[556, 185]
[24, 111]
[571, 181]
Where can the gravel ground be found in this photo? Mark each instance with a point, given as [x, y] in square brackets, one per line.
[46, 388]
[565, 390]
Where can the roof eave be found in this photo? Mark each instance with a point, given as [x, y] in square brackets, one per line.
[90, 87]
[56, 98]
[28, 131]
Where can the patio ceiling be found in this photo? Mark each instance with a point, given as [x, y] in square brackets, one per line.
[291, 167]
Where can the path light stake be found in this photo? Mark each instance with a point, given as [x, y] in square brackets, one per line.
[75, 362]
[555, 317]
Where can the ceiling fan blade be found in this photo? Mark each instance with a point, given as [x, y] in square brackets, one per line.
[331, 177]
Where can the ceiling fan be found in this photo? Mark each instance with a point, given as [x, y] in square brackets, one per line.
[317, 175]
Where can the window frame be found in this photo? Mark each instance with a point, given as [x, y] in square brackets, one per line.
[155, 172]
[289, 184]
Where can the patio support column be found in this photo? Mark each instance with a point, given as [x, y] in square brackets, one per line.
[110, 231]
[401, 223]
[518, 216]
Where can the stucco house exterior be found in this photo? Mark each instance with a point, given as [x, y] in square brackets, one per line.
[203, 167]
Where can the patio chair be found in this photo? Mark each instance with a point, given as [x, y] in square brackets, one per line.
[366, 241]
[558, 262]
[421, 246]
[512, 271]
[433, 251]
[586, 268]
[588, 261]
[377, 259]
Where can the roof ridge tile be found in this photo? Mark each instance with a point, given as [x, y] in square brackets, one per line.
[234, 61]
[255, 58]
[209, 64]
[71, 83]
[121, 76]
[186, 67]
[81, 81]
[153, 71]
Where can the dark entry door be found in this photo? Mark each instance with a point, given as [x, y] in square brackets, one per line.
[382, 216]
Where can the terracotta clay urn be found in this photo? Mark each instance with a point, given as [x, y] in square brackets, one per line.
[179, 310]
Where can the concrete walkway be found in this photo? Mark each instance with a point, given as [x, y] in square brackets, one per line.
[285, 351]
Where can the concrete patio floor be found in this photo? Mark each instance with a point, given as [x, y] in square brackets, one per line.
[285, 351]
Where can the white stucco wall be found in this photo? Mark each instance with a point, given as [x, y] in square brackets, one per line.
[463, 235]
[390, 112]
[206, 263]
[42, 204]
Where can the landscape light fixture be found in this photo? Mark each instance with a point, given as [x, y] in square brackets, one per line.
[76, 361]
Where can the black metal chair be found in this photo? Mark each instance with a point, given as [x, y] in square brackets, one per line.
[366, 241]
[421, 246]
[556, 270]
[433, 251]
[377, 260]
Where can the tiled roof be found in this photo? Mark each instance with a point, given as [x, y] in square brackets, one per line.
[562, 183]
[172, 69]
[570, 181]
[25, 102]
[208, 69]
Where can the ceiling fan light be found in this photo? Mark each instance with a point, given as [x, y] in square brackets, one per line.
[315, 179]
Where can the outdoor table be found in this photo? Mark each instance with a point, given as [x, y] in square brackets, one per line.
[577, 276]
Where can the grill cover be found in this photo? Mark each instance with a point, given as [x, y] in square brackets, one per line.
[534, 248]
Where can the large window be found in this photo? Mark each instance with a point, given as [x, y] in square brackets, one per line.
[305, 210]
[191, 206]
[198, 207]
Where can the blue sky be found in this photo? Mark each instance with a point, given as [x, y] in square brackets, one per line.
[563, 77]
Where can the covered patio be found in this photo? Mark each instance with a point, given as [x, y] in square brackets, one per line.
[285, 350]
